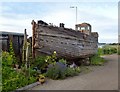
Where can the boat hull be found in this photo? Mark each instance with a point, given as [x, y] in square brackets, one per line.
[68, 43]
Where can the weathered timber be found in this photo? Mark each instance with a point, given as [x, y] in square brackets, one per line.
[68, 43]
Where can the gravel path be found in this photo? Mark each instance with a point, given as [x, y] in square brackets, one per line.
[101, 78]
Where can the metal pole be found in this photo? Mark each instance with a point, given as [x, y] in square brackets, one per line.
[76, 14]
[33, 37]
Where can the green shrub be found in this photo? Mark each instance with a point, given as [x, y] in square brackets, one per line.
[106, 51]
[40, 62]
[113, 50]
[53, 73]
[96, 60]
[11, 52]
[109, 49]
[11, 79]
[61, 71]
[28, 72]
[56, 71]
[7, 59]
[16, 82]
[71, 72]
[118, 51]
[62, 61]
[32, 79]
[100, 51]
[77, 69]
[51, 59]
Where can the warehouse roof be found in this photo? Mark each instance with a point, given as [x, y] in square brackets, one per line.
[11, 33]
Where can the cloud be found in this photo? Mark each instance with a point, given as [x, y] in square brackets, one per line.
[64, 1]
[60, 17]
[16, 24]
[109, 40]
[102, 16]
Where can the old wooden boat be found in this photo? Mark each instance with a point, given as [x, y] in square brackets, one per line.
[68, 43]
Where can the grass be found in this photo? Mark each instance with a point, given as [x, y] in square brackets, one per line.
[108, 49]
[118, 50]
[97, 60]
[85, 69]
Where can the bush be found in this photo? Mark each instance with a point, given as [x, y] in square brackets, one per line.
[56, 71]
[11, 52]
[77, 69]
[28, 72]
[7, 59]
[106, 51]
[40, 62]
[109, 49]
[100, 51]
[118, 50]
[71, 72]
[113, 50]
[17, 81]
[51, 59]
[61, 71]
[62, 61]
[96, 60]
[11, 79]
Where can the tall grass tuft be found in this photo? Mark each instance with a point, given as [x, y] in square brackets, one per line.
[97, 60]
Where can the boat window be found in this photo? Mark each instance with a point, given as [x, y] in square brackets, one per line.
[41, 30]
[41, 39]
[78, 28]
[73, 44]
[51, 40]
[88, 28]
[79, 44]
[82, 28]
[61, 42]
[46, 40]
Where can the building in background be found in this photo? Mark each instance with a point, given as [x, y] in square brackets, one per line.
[17, 41]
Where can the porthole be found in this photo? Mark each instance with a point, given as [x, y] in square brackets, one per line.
[46, 40]
[51, 40]
[61, 42]
[41, 39]
[41, 30]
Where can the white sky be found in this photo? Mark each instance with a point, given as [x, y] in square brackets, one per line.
[103, 16]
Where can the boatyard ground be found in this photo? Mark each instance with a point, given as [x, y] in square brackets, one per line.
[100, 78]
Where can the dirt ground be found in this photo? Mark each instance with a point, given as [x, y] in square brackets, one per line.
[100, 78]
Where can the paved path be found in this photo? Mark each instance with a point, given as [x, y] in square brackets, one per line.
[101, 78]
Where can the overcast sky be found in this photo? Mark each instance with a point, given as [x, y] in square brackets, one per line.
[103, 16]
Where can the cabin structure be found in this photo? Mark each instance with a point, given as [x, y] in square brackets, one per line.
[84, 28]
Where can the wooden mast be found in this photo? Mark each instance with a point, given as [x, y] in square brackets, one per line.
[33, 37]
